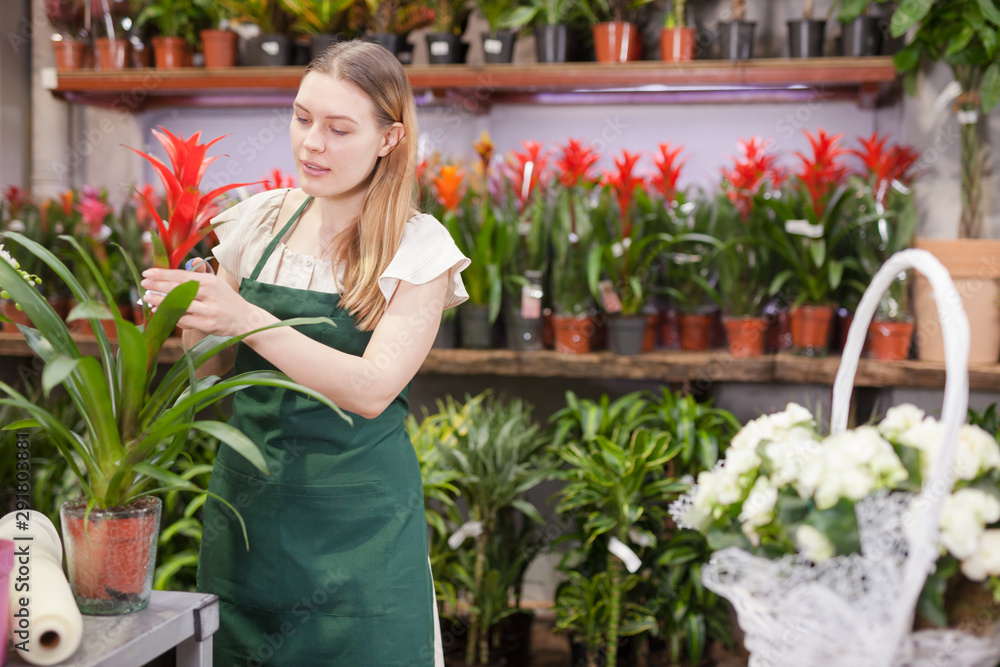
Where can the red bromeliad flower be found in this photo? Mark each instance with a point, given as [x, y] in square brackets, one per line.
[278, 179]
[885, 165]
[93, 210]
[750, 174]
[147, 193]
[449, 186]
[188, 210]
[575, 163]
[624, 183]
[525, 170]
[669, 171]
[822, 173]
[16, 199]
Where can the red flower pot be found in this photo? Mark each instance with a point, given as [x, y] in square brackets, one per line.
[811, 330]
[677, 44]
[696, 331]
[746, 335]
[572, 333]
[617, 42]
[890, 341]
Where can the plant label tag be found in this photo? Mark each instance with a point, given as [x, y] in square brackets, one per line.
[468, 529]
[609, 296]
[492, 46]
[531, 302]
[804, 228]
[967, 116]
[626, 555]
[271, 48]
[440, 48]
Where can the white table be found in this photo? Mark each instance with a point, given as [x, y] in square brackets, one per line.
[172, 619]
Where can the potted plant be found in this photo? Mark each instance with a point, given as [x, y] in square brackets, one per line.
[524, 180]
[261, 25]
[960, 35]
[443, 44]
[617, 38]
[808, 233]
[498, 454]
[736, 36]
[135, 427]
[860, 33]
[505, 18]
[112, 51]
[390, 21]
[550, 19]
[676, 38]
[218, 44]
[177, 23]
[68, 40]
[886, 222]
[572, 239]
[806, 35]
[616, 491]
[324, 21]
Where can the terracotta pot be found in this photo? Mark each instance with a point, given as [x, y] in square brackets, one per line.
[670, 336]
[18, 316]
[70, 54]
[572, 333]
[677, 44]
[112, 54]
[890, 341]
[617, 42]
[219, 48]
[974, 265]
[110, 560]
[746, 335]
[169, 52]
[649, 337]
[696, 331]
[811, 329]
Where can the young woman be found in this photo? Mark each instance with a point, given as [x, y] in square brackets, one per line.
[337, 572]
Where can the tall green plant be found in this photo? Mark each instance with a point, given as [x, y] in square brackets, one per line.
[135, 428]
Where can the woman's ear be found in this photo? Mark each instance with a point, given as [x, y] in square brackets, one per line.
[391, 138]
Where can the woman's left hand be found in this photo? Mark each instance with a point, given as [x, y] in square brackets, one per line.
[217, 308]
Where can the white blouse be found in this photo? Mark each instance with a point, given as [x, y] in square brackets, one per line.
[425, 252]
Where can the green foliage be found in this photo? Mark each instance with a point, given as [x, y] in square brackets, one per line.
[744, 261]
[487, 241]
[551, 12]
[269, 15]
[174, 18]
[572, 242]
[599, 11]
[504, 14]
[702, 431]
[319, 16]
[689, 274]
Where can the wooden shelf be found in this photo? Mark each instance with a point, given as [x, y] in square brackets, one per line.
[666, 366]
[869, 81]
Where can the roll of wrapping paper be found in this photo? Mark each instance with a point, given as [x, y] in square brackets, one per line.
[49, 628]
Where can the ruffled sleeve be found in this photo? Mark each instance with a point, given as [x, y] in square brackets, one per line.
[426, 251]
[240, 232]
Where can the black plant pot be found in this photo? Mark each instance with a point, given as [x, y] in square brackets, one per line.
[404, 52]
[498, 47]
[515, 638]
[626, 334]
[269, 51]
[319, 42]
[389, 40]
[475, 327]
[736, 40]
[861, 37]
[447, 334]
[443, 48]
[302, 53]
[551, 43]
[806, 38]
[628, 649]
[523, 334]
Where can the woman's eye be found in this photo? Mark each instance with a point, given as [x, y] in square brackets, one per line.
[302, 120]
[339, 133]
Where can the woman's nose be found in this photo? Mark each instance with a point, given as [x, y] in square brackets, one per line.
[313, 142]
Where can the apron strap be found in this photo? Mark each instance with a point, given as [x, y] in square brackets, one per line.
[278, 237]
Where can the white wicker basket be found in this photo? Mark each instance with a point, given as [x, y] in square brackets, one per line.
[857, 610]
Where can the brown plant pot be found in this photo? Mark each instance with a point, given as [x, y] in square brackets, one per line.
[696, 331]
[572, 333]
[649, 336]
[746, 335]
[811, 330]
[890, 341]
[617, 42]
[670, 336]
[219, 48]
[70, 54]
[112, 54]
[170, 52]
[110, 559]
[18, 316]
[974, 265]
[548, 331]
[677, 44]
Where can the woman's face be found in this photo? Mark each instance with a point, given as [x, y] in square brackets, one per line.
[335, 140]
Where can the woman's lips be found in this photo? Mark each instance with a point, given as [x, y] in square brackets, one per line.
[313, 169]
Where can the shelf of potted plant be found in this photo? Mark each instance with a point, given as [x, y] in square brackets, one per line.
[869, 81]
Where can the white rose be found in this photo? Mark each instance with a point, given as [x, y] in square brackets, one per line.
[752, 434]
[787, 459]
[728, 490]
[758, 508]
[793, 415]
[986, 560]
[977, 451]
[739, 461]
[813, 544]
[964, 516]
[899, 419]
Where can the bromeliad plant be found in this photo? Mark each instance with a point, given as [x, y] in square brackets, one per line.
[188, 210]
[524, 181]
[572, 228]
[135, 428]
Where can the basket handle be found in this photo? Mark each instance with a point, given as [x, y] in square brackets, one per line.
[923, 550]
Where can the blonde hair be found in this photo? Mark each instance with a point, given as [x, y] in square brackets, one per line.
[368, 245]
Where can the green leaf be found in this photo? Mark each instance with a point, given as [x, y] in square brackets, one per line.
[990, 12]
[56, 372]
[907, 58]
[235, 438]
[991, 87]
[851, 9]
[908, 14]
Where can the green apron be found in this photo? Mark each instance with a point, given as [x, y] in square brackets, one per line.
[337, 571]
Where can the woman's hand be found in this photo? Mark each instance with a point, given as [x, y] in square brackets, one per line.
[217, 308]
